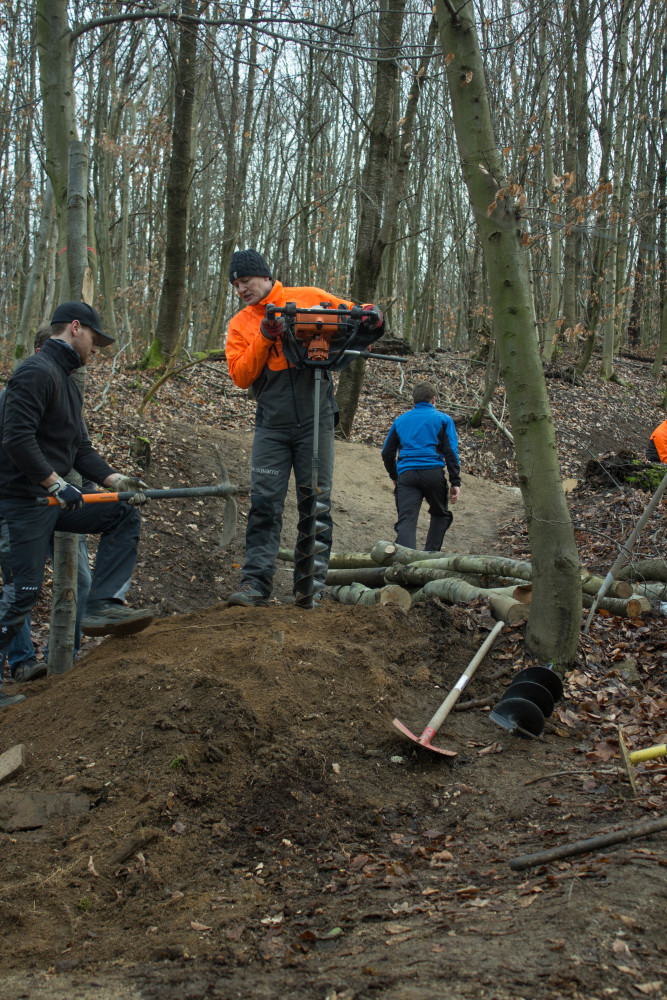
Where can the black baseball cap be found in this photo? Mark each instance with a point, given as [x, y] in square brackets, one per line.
[86, 315]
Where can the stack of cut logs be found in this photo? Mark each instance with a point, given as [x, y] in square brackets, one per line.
[393, 574]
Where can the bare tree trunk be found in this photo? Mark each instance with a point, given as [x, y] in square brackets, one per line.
[31, 312]
[66, 544]
[555, 618]
[373, 189]
[168, 331]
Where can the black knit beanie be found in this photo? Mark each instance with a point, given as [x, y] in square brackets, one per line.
[248, 264]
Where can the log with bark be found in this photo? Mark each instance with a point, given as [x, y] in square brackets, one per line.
[504, 605]
[357, 593]
[645, 570]
[416, 575]
[369, 577]
[337, 560]
[388, 553]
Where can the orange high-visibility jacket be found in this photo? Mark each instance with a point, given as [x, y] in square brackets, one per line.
[248, 352]
[659, 439]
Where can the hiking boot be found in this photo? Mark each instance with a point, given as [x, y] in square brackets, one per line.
[10, 699]
[113, 618]
[29, 670]
[248, 596]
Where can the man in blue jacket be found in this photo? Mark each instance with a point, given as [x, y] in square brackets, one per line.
[419, 445]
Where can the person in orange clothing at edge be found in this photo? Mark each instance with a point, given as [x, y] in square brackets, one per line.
[657, 445]
[284, 420]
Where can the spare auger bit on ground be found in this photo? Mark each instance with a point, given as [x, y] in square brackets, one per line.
[528, 701]
[309, 569]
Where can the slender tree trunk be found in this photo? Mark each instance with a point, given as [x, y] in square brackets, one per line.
[66, 544]
[168, 331]
[31, 312]
[555, 616]
[370, 244]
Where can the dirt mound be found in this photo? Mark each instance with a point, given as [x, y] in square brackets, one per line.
[251, 804]
[215, 744]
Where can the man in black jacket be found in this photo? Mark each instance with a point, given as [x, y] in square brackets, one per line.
[42, 437]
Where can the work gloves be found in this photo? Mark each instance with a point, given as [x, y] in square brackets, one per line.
[373, 317]
[124, 484]
[272, 330]
[68, 496]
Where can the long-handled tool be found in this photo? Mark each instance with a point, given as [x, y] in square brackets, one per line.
[320, 338]
[431, 729]
[226, 490]
[632, 757]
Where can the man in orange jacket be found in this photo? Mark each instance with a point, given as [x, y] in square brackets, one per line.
[657, 445]
[284, 418]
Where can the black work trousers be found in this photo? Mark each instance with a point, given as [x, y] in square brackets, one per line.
[414, 486]
[31, 527]
[276, 452]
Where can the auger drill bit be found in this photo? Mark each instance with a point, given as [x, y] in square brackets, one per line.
[309, 566]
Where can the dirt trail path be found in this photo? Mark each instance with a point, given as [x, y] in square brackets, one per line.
[363, 506]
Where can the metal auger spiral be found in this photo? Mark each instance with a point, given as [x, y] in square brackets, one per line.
[309, 566]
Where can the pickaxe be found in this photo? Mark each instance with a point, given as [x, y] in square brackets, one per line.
[222, 489]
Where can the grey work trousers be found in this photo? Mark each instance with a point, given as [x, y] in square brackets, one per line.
[276, 451]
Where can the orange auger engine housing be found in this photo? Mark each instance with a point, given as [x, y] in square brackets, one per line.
[319, 337]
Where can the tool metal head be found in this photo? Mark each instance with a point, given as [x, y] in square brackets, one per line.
[520, 716]
[532, 691]
[541, 675]
[424, 740]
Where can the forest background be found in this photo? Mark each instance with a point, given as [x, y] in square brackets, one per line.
[492, 175]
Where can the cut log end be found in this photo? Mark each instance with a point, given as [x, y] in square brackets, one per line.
[394, 595]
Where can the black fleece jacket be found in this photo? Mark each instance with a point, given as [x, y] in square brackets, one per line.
[41, 427]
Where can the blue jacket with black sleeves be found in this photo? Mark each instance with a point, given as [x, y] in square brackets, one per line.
[422, 438]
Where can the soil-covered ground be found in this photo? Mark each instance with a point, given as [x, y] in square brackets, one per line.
[244, 819]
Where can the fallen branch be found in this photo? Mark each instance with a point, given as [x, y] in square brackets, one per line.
[499, 425]
[591, 844]
[172, 372]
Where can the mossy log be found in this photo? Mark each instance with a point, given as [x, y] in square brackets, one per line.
[389, 553]
[656, 592]
[374, 577]
[413, 575]
[457, 591]
[495, 569]
[630, 608]
[337, 560]
[645, 569]
[357, 593]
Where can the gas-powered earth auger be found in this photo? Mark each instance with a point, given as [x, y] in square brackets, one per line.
[322, 338]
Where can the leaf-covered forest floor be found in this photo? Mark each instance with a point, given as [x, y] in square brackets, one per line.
[253, 824]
